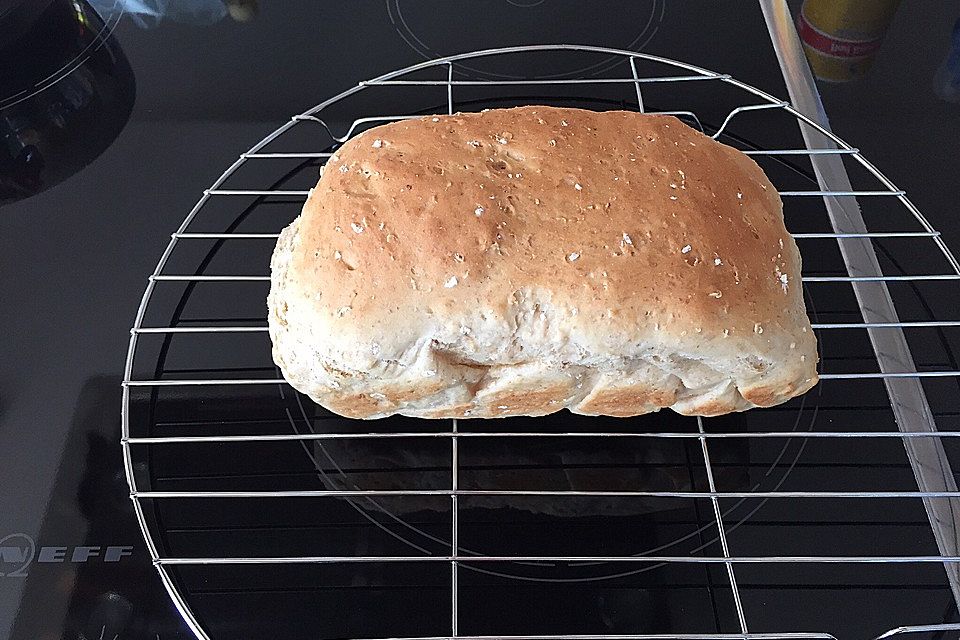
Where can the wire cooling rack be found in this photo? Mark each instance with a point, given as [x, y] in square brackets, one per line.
[205, 413]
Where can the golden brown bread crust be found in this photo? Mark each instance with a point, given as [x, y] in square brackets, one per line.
[519, 261]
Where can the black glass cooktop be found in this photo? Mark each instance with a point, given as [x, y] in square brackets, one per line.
[73, 563]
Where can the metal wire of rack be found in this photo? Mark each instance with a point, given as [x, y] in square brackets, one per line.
[918, 432]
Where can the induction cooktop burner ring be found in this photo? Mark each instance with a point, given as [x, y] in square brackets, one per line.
[885, 329]
[640, 40]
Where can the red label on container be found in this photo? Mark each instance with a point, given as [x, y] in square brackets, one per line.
[832, 45]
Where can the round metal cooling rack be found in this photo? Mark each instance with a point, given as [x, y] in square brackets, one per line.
[889, 361]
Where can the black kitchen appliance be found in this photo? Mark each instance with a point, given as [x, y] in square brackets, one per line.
[215, 502]
[66, 90]
[563, 526]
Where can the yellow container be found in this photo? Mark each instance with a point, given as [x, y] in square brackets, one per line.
[842, 37]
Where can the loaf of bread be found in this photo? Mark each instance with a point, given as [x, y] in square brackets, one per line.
[521, 261]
